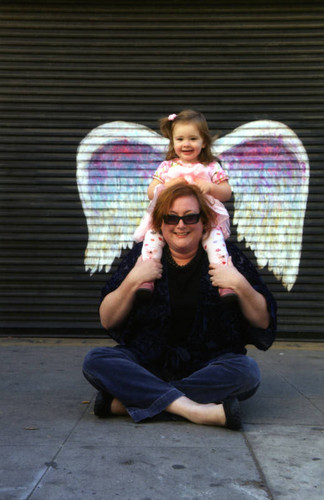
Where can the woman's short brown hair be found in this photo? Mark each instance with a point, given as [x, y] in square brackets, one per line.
[170, 194]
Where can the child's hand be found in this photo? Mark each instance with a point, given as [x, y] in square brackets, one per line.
[178, 180]
[204, 186]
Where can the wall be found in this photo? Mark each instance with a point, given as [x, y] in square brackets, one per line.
[67, 67]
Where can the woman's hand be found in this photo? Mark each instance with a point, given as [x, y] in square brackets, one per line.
[253, 304]
[146, 270]
[117, 304]
[225, 276]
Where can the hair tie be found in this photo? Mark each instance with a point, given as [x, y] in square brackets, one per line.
[172, 117]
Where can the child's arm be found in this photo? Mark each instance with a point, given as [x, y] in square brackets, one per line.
[152, 186]
[221, 191]
[155, 182]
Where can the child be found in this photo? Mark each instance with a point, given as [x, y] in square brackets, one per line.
[189, 159]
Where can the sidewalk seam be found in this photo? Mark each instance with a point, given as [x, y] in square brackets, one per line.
[50, 463]
[258, 466]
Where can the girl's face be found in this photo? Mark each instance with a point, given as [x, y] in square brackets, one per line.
[187, 141]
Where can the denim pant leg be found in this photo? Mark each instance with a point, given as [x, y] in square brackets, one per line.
[229, 375]
[116, 370]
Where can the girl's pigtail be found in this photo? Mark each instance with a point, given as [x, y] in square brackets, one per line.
[166, 127]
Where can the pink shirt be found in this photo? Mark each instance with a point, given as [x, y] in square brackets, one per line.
[171, 169]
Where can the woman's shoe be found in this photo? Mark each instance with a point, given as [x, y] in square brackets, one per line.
[102, 404]
[233, 414]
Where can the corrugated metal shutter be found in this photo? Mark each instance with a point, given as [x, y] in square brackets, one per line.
[67, 67]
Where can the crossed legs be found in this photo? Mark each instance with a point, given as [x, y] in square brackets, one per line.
[141, 394]
[212, 414]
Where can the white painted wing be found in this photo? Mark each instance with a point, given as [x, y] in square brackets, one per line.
[115, 163]
[268, 171]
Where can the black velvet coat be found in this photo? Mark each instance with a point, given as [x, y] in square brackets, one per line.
[216, 328]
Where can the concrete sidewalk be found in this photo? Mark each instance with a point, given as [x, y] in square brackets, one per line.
[52, 447]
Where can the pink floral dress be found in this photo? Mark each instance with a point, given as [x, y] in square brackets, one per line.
[173, 169]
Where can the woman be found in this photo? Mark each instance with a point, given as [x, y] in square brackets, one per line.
[183, 352]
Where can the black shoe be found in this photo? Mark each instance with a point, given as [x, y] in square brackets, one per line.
[102, 404]
[233, 414]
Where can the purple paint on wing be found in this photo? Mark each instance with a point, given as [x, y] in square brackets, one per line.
[262, 159]
[123, 161]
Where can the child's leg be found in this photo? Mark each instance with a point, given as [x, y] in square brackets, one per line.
[215, 247]
[217, 253]
[152, 249]
[152, 245]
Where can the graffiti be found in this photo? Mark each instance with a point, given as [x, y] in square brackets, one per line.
[268, 170]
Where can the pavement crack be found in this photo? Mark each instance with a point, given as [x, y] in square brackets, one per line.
[263, 481]
[52, 464]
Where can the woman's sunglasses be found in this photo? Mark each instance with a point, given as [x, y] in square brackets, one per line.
[175, 219]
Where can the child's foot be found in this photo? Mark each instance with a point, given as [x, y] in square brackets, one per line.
[227, 295]
[144, 292]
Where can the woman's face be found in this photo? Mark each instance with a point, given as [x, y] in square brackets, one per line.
[183, 238]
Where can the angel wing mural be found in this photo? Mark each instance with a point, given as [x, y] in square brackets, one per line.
[268, 170]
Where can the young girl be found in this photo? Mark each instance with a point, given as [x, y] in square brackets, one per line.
[189, 159]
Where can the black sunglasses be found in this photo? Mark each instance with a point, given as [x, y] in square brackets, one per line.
[187, 219]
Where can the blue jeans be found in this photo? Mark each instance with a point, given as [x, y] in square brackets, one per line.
[116, 370]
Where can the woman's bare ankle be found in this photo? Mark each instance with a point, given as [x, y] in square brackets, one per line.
[117, 408]
[205, 414]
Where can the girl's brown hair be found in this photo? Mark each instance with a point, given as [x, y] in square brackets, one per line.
[170, 194]
[188, 115]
